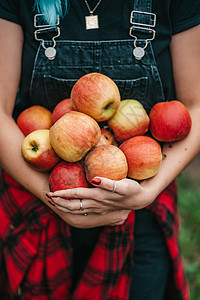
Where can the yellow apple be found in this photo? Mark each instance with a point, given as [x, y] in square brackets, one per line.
[130, 120]
[38, 152]
[73, 135]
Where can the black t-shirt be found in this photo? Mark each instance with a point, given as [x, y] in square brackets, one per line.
[114, 22]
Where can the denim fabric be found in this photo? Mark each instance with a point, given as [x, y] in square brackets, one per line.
[52, 81]
[151, 259]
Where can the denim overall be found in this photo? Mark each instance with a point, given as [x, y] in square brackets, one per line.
[137, 78]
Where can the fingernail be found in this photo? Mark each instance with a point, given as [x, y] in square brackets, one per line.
[96, 181]
[51, 202]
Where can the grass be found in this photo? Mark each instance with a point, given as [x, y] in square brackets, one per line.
[189, 207]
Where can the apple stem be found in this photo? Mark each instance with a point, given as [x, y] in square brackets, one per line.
[107, 106]
[34, 147]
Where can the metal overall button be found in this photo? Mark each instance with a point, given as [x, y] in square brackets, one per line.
[50, 52]
[138, 51]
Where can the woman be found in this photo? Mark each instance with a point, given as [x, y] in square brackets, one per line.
[151, 49]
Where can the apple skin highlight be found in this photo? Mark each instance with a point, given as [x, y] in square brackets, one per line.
[61, 108]
[73, 135]
[170, 121]
[96, 95]
[67, 175]
[130, 120]
[143, 155]
[33, 118]
[106, 161]
[37, 150]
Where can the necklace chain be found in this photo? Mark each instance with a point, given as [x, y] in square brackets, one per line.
[92, 10]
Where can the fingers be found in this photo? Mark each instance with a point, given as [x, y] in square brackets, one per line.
[75, 193]
[105, 183]
[114, 186]
[102, 199]
[78, 206]
[99, 194]
[68, 193]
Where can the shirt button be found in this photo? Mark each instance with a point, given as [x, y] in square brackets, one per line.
[12, 226]
[19, 291]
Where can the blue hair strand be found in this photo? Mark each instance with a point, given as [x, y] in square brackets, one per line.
[51, 9]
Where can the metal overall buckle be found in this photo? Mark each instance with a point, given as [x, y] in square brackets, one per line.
[138, 51]
[50, 52]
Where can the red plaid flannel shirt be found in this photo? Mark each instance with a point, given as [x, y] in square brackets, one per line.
[36, 252]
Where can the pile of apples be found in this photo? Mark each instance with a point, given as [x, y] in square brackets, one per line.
[94, 133]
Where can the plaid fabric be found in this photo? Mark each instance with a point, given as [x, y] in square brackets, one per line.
[36, 252]
[166, 211]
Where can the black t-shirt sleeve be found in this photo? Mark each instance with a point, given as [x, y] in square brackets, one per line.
[9, 10]
[184, 14]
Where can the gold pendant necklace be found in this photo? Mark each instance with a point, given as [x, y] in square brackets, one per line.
[92, 21]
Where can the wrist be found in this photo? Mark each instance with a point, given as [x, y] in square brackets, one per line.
[152, 188]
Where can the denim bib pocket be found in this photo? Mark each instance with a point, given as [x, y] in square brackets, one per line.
[129, 89]
[62, 87]
[132, 88]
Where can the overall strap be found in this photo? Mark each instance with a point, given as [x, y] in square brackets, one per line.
[142, 13]
[143, 5]
[142, 30]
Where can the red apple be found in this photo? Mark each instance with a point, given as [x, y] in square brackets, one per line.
[33, 118]
[66, 175]
[106, 161]
[143, 155]
[73, 135]
[61, 108]
[96, 95]
[107, 138]
[130, 120]
[169, 121]
[38, 152]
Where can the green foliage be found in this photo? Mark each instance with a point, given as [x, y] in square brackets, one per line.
[189, 208]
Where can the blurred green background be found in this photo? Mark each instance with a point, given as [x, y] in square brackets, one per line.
[189, 208]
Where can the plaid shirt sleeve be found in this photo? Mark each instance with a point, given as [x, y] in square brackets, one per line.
[36, 255]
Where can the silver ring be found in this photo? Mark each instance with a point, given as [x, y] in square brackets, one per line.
[85, 214]
[81, 205]
[114, 186]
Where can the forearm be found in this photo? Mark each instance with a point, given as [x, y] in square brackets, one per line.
[186, 78]
[176, 156]
[12, 162]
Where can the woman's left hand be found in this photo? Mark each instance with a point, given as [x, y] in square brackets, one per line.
[105, 197]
